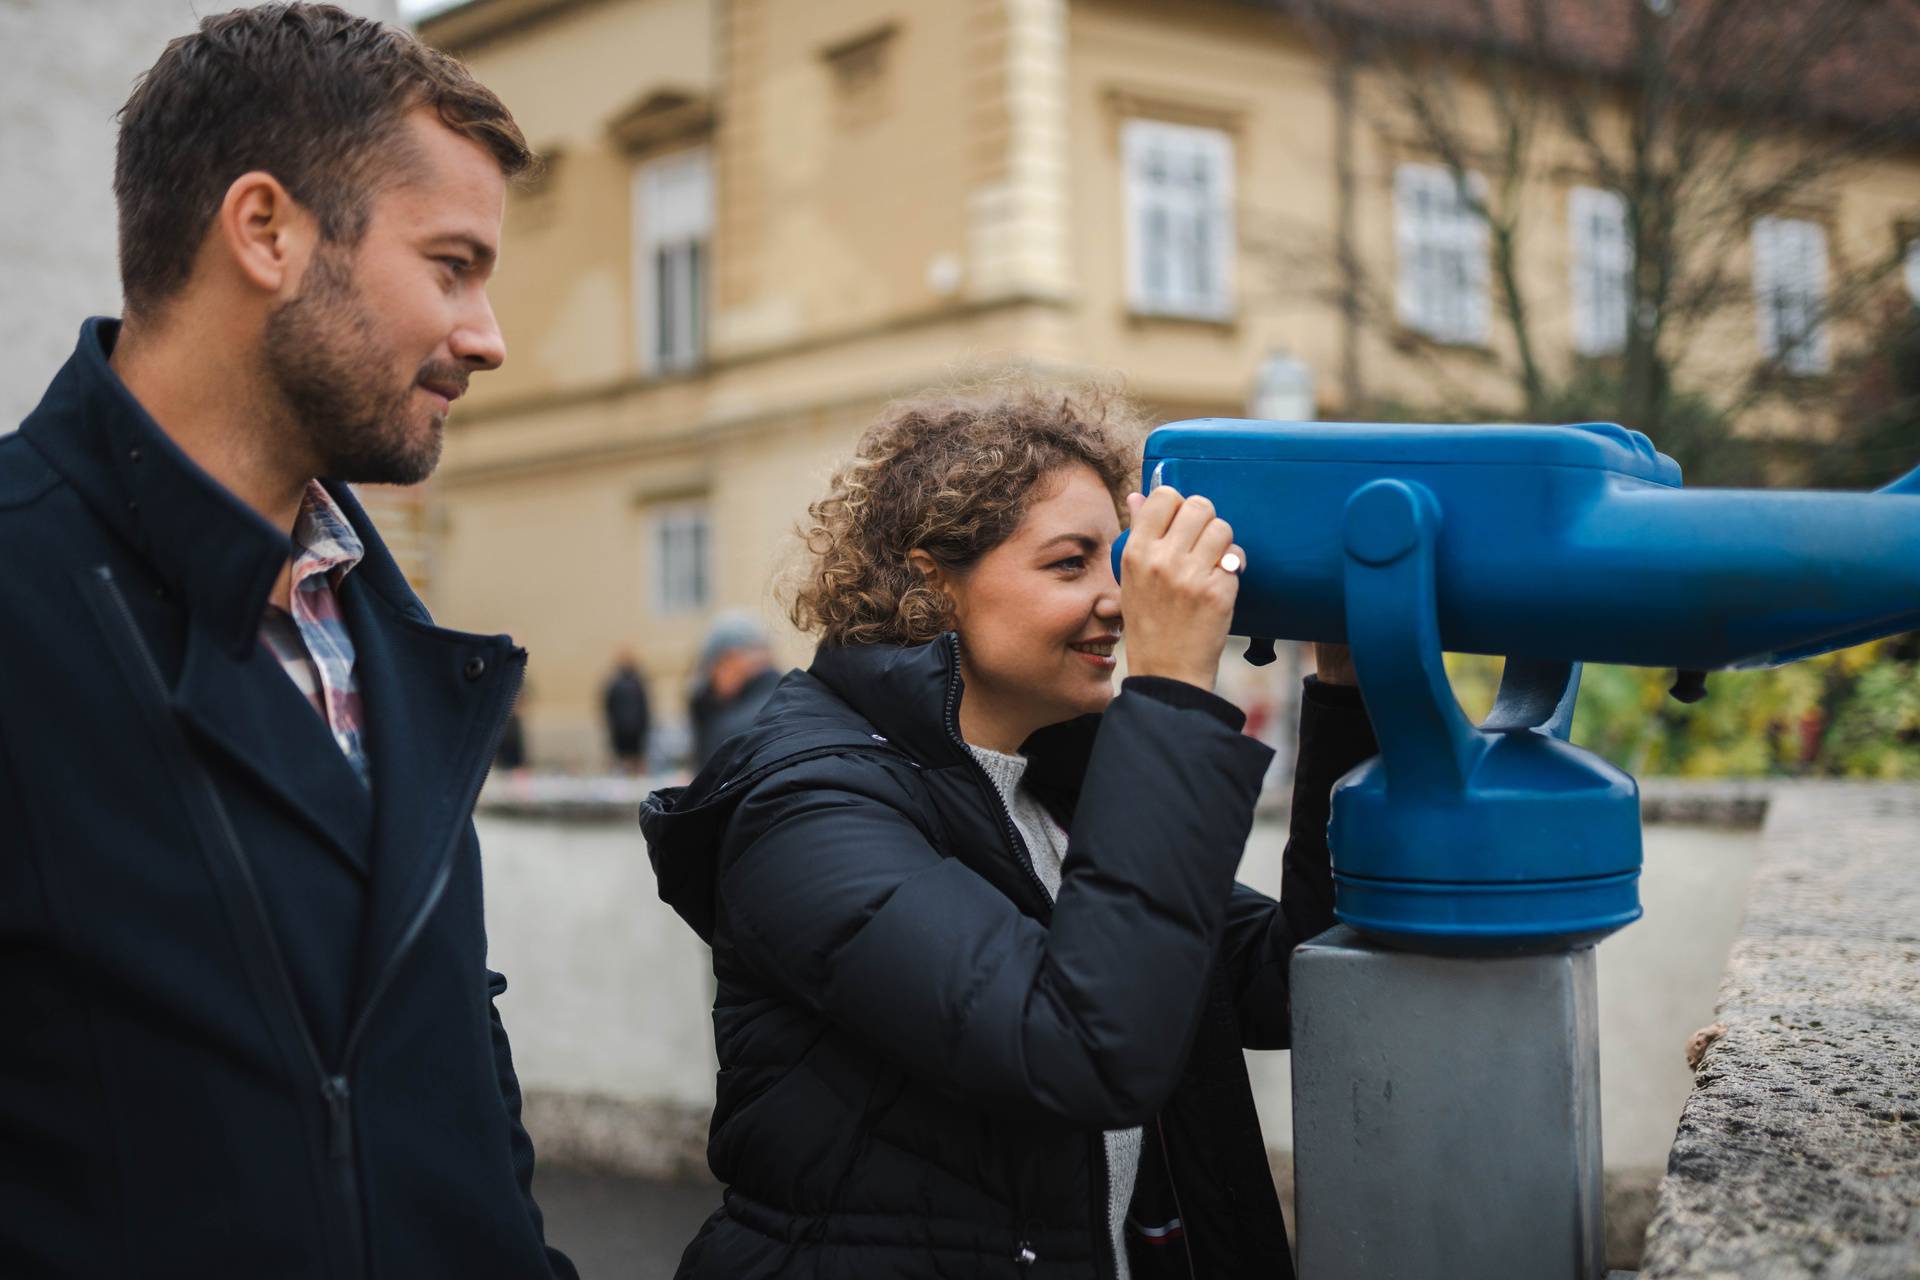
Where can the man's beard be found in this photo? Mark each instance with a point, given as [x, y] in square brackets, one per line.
[325, 358]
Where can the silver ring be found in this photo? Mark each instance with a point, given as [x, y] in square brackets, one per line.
[1232, 562]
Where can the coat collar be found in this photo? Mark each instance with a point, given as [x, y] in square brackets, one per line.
[434, 699]
[912, 693]
[212, 549]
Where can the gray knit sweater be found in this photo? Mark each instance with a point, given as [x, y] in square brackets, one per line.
[1047, 844]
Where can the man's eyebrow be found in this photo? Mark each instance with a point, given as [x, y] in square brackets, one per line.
[483, 254]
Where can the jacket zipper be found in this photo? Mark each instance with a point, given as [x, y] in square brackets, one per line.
[1173, 1188]
[1103, 1206]
[1103, 1181]
[333, 1091]
[442, 875]
[952, 715]
[335, 1088]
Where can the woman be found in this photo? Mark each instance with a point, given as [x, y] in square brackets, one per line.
[984, 977]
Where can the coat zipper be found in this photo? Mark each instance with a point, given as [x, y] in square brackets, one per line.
[1103, 1182]
[442, 875]
[335, 1088]
[1015, 844]
[1173, 1188]
[1103, 1205]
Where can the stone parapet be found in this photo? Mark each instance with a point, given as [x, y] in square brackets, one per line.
[1798, 1152]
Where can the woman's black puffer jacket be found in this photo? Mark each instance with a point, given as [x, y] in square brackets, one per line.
[918, 1050]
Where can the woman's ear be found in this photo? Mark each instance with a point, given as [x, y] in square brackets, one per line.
[927, 567]
[933, 575]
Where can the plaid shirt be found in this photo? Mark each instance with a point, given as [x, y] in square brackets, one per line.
[311, 639]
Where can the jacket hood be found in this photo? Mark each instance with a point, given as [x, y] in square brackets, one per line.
[899, 701]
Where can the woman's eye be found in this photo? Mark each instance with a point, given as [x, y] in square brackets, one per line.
[1071, 562]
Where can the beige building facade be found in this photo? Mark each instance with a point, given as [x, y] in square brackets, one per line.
[762, 219]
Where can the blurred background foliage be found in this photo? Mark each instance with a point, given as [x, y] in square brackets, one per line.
[1851, 714]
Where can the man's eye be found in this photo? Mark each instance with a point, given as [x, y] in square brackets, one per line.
[458, 266]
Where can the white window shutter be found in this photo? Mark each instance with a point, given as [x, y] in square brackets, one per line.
[1602, 276]
[1790, 293]
[1179, 219]
[682, 558]
[1441, 240]
[1409, 234]
[673, 221]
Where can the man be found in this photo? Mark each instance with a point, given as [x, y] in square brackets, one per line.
[624, 703]
[249, 1027]
[734, 678]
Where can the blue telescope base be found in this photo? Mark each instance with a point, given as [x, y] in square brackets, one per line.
[1461, 839]
[1452, 918]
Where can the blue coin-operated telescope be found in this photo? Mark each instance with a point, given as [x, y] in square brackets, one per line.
[1551, 546]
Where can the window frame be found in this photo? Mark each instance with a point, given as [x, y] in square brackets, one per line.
[656, 251]
[1781, 246]
[679, 590]
[1215, 148]
[1465, 233]
[1596, 333]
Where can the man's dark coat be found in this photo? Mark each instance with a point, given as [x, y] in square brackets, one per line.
[249, 1029]
[919, 1050]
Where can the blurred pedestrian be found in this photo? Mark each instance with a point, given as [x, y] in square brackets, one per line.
[629, 719]
[249, 1026]
[511, 754]
[733, 680]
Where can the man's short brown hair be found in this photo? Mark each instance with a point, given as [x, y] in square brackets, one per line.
[307, 92]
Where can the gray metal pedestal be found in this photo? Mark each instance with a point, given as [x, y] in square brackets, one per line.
[1446, 1115]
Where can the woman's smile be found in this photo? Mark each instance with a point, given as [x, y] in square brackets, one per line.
[1098, 652]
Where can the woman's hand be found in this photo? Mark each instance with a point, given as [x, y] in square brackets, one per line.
[1175, 598]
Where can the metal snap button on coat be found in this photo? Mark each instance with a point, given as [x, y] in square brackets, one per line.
[475, 668]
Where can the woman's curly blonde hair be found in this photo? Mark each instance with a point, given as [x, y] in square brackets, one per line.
[951, 475]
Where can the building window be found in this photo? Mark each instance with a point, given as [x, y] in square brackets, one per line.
[1179, 219]
[1442, 243]
[1602, 270]
[682, 558]
[673, 218]
[1790, 292]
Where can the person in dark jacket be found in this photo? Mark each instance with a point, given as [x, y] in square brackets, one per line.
[250, 1029]
[984, 980]
[624, 703]
[732, 680]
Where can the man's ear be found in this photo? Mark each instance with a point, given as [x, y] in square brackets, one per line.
[265, 233]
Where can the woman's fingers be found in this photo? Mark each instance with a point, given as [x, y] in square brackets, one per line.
[1188, 523]
[1213, 543]
[1155, 513]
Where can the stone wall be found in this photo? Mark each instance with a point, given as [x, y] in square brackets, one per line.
[610, 990]
[1798, 1152]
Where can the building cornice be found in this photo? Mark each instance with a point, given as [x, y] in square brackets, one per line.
[466, 26]
[628, 384]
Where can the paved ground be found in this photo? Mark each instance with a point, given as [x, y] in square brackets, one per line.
[621, 1228]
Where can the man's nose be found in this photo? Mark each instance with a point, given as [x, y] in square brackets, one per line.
[477, 340]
